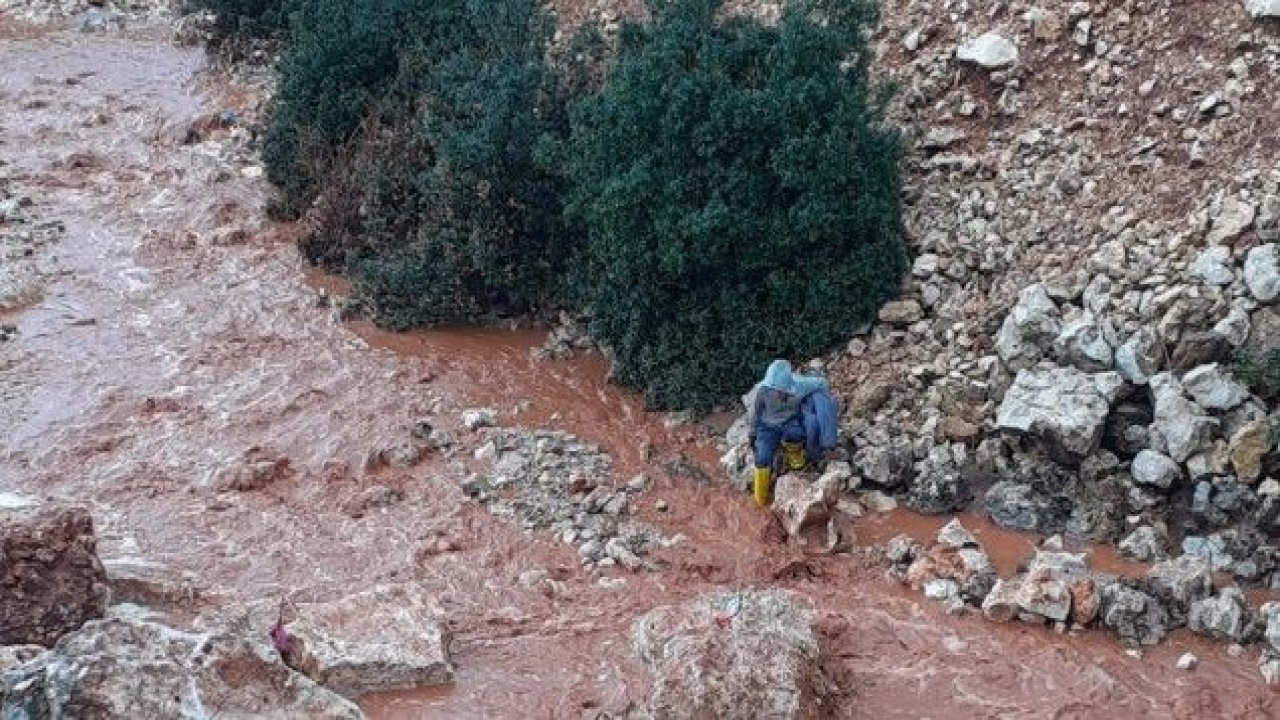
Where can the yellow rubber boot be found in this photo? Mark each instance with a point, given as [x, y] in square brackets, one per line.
[761, 488]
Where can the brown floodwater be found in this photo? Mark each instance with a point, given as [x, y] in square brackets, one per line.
[178, 338]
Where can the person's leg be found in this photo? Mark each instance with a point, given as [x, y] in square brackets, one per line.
[827, 414]
[767, 441]
[793, 435]
[812, 430]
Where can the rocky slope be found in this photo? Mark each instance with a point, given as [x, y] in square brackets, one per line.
[1094, 207]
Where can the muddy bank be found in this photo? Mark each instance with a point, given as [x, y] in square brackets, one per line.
[181, 377]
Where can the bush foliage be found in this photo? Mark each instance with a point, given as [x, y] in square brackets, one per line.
[247, 18]
[1261, 372]
[430, 194]
[739, 192]
[717, 193]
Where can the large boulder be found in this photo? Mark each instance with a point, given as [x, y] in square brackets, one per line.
[1179, 582]
[1020, 506]
[1224, 616]
[1182, 426]
[1045, 591]
[1213, 388]
[887, 465]
[127, 669]
[1156, 470]
[1262, 272]
[1199, 348]
[1141, 356]
[1213, 266]
[752, 654]
[387, 638]
[1231, 218]
[1029, 330]
[51, 581]
[1064, 407]
[1083, 344]
[1264, 337]
[1145, 543]
[938, 486]
[1269, 613]
[901, 312]
[1135, 616]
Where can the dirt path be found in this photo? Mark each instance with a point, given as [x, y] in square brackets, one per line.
[177, 348]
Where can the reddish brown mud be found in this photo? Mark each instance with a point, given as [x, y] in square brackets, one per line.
[177, 342]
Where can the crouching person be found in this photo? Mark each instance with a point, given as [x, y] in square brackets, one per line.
[794, 414]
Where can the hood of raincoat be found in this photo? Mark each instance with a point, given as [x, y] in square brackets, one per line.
[779, 377]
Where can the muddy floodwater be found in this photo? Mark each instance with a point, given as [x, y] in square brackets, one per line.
[177, 336]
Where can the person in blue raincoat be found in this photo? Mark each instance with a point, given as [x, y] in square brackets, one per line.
[793, 412]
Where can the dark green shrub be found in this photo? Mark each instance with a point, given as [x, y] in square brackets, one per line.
[342, 58]
[436, 205]
[1260, 372]
[247, 18]
[740, 195]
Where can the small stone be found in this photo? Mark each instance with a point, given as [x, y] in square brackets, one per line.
[476, 418]
[989, 50]
[1213, 266]
[1187, 661]
[901, 312]
[1046, 26]
[913, 40]
[941, 589]
[879, 502]
[661, 506]
[954, 535]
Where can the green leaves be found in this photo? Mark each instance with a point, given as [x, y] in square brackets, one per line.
[718, 194]
[739, 194]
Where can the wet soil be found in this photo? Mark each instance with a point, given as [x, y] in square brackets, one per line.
[179, 341]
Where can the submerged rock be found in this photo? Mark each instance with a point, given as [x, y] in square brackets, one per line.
[127, 669]
[51, 581]
[738, 656]
[388, 638]
[955, 557]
